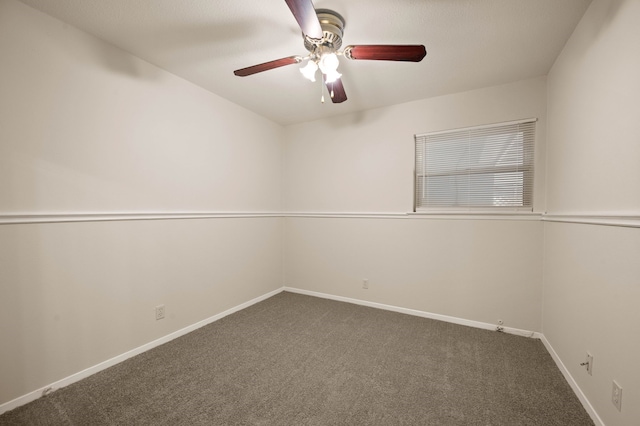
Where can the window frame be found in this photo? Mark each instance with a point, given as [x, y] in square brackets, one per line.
[527, 168]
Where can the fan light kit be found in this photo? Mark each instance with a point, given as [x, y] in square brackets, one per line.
[322, 30]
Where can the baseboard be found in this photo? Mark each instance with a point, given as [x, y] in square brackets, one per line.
[414, 312]
[574, 385]
[477, 324]
[32, 396]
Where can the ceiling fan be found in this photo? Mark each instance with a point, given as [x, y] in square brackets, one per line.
[322, 30]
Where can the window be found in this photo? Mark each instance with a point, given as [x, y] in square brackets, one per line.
[478, 168]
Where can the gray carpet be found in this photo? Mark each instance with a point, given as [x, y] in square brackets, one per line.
[300, 360]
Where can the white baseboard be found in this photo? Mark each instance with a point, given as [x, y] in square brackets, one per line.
[574, 385]
[477, 324]
[32, 396]
[414, 312]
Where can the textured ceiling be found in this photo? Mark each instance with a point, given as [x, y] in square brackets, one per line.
[470, 44]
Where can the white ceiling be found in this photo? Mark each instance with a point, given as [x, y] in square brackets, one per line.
[470, 44]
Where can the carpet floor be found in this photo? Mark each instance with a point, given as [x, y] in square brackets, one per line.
[301, 360]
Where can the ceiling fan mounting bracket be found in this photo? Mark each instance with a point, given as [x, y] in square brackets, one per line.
[347, 52]
[332, 24]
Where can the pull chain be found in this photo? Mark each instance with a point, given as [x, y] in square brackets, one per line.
[321, 91]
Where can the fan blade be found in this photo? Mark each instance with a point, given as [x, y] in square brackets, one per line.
[305, 14]
[337, 90]
[386, 52]
[267, 66]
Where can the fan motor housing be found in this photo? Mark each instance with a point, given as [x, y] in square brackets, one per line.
[332, 24]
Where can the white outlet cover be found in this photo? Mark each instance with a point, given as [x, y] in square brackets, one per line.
[616, 395]
[159, 312]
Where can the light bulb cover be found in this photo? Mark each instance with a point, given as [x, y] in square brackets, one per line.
[332, 76]
[309, 71]
[329, 63]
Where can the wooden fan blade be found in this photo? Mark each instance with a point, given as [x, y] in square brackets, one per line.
[386, 52]
[267, 66]
[305, 14]
[337, 89]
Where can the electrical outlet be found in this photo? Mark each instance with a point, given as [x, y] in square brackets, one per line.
[159, 312]
[616, 395]
[365, 283]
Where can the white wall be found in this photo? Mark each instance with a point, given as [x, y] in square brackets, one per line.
[480, 270]
[364, 162]
[593, 115]
[76, 294]
[87, 128]
[592, 272]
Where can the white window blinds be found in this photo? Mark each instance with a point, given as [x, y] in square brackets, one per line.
[486, 167]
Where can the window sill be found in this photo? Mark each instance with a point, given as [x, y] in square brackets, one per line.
[477, 215]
